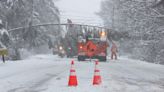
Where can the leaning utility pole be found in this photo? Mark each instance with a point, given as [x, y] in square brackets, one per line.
[30, 25]
[113, 20]
[32, 13]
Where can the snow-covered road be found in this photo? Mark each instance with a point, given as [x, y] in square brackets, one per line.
[48, 73]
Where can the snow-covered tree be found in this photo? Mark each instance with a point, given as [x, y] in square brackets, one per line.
[143, 20]
[4, 36]
[25, 13]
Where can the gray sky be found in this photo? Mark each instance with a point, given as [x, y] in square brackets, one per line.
[80, 11]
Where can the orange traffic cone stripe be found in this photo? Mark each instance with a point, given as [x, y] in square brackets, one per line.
[97, 77]
[72, 77]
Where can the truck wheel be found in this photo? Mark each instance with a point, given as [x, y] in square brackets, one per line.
[81, 58]
[102, 58]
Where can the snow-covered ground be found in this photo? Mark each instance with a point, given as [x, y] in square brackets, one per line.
[48, 73]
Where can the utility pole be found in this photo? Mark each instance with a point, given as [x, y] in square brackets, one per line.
[113, 20]
[30, 29]
[6, 25]
[32, 13]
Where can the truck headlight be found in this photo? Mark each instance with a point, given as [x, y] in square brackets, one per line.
[60, 48]
[81, 47]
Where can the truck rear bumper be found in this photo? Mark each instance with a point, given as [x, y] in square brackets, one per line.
[83, 57]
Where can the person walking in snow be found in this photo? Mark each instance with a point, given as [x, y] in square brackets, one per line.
[114, 51]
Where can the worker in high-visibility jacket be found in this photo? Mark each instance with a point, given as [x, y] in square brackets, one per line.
[114, 51]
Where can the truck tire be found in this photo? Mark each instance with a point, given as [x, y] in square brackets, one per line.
[102, 58]
[81, 58]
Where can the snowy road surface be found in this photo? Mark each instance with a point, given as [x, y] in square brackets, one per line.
[48, 73]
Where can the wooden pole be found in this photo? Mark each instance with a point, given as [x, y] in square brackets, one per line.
[3, 58]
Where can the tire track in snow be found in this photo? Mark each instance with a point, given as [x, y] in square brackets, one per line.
[21, 72]
[136, 80]
[36, 86]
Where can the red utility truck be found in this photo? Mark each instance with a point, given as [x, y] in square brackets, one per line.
[93, 47]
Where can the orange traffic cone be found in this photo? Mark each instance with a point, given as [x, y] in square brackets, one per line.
[72, 77]
[97, 77]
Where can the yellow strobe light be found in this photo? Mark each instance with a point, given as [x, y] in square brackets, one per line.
[103, 33]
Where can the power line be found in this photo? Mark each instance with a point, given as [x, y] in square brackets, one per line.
[57, 24]
[84, 21]
[74, 11]
[86, 17]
